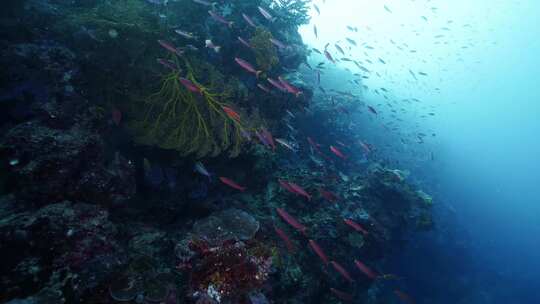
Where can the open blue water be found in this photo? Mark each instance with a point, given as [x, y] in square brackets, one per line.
[482, 64]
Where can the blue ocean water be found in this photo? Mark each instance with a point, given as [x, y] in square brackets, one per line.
[478, 154]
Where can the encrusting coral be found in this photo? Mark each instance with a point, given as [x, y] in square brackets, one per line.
[265, 52]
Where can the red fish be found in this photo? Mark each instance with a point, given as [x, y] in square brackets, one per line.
[262, 139]
[269, 138]
[372, 110]
[315, 146]
[342, 271]
[318, 250]
[190, 85]
[404, 297]
[231, 183]
[291, 220]
[116, 116]
[169, 47]
[220, 18]
[285, 238]
[167, 63]
[366, 270]
[286, 186]
[356, 226]
[289, 87]
[313, 143]
[342, 295]
[300, 191]
[247, 66]
[329, 196]
[231, 113]
[337, 152]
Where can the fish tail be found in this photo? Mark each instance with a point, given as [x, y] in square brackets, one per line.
[231, 23]
[258, 74]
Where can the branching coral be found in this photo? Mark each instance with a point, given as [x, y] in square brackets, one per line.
[292, 13]
[192, 122]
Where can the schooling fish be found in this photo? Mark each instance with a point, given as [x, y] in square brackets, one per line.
[329, 196]
[317, 9]
[342, 295]
[247, 66]
[244, 42]
[284, 143]
[315, 31]
[342, 271]
[263, 87]
[207, 3]
[167, 63]
[286, 186]
[339, 49]
[351, 41]
[372, 110]
[285, 238]
[276, 84]
[220, 18]
[231, 113]
[269, 138]
[355, 226]
[185, 34]
[291, 221]
[209, 44]
[366, 270]
[337, 152]
[300, 191]
[169, 47]
[249, 20]
[318, 250]
[190, 85]
[328, 56]
[266, 14]
[278, 43]
[289, 87]
[199, 168]
[262, 139]
[231, 183]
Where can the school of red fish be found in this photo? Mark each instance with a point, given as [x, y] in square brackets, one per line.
[265, 138]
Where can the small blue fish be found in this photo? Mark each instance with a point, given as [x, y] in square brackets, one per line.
[199, 168]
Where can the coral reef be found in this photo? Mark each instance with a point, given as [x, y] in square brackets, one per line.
[101, 199]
